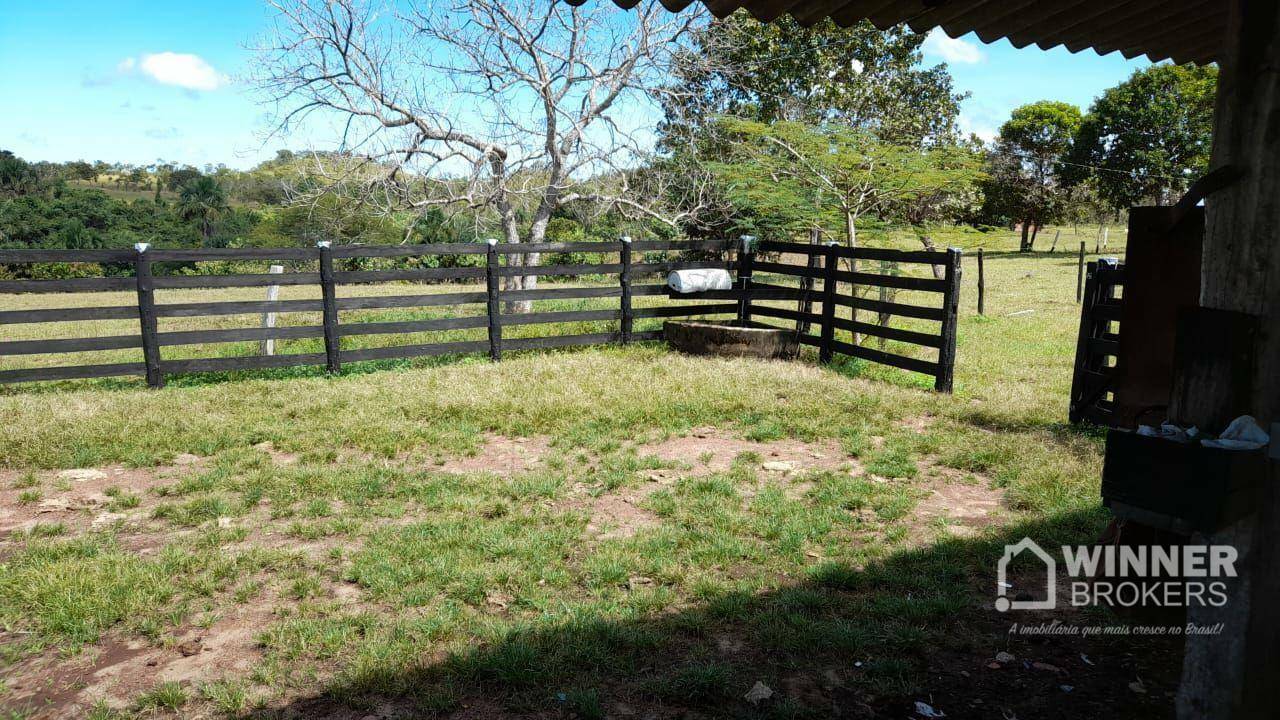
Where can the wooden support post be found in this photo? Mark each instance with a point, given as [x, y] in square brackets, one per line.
[950, 317]
[147, 316]
[624, 277]
[328, 293]
[805, 306]
[268, 345]
[1233, 674]
[830, 266]
[1080, 274]
[1056, 234]
[495, 310]
[982, 283]
[746, 258]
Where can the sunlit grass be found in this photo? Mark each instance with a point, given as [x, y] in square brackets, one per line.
[383, 573]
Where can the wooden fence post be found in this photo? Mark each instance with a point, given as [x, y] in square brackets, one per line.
[888, 267]
[951, 314]
[147, 316]
[805, 307]
[494, 309]
[328, 293]
[624, 277]
[268, 345]
[1080, 274]
[982, 284]
[830, 263]
[746, 258]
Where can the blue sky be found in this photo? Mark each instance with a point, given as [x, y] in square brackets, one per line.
[134, 81]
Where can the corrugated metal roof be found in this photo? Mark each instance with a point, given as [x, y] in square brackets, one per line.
[1185, 31]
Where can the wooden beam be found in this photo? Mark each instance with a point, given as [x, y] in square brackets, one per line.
[1234, 674]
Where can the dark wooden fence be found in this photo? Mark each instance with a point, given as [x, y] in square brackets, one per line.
[821, 279]
[322, 258]
[1098, 343]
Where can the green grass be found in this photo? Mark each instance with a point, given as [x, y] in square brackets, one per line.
[165, 696]
[381, 574]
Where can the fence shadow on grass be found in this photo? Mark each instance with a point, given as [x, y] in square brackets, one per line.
[843, 642]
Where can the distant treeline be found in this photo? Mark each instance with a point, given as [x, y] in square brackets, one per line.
[78, 205]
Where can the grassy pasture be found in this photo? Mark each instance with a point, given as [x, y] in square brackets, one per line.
[599, 532]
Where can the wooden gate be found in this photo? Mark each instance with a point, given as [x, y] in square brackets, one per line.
[1098, 346]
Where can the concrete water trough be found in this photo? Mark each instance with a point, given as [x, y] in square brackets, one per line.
[730, 340]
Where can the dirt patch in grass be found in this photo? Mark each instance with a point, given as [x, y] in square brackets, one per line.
[619, 515]
[84, 498]
[501, 455]
[965, 501]
[52, 686]
[918, 424]
[709, 450]
[278, 457]
[116, 671]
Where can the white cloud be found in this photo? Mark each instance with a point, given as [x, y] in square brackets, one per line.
[968, 125]
[952, 50]
[183, 70]
[168, 133]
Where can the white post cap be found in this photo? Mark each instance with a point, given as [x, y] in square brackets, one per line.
[492, 241]
[323, 243]
[625, 238]
[141, 247]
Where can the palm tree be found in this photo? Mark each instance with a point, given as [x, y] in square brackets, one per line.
[202, 199]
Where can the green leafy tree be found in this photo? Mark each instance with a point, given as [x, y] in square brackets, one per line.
[1148, 138]
[161, 171]
[792, 176]
[17, 177]
[80, 170]
[203, 201]
[1024, 183]
[178, 178]
[859, 76]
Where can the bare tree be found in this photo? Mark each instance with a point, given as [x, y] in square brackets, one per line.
[508, 110]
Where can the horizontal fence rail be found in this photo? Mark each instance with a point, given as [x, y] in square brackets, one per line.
[316, 267]
[829, 267]
[830, 277]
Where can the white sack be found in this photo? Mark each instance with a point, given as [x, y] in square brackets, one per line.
[691, 281]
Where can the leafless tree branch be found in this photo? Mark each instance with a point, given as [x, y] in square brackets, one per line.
[497, 108]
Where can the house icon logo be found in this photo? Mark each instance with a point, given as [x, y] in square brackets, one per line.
[1003, 603]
